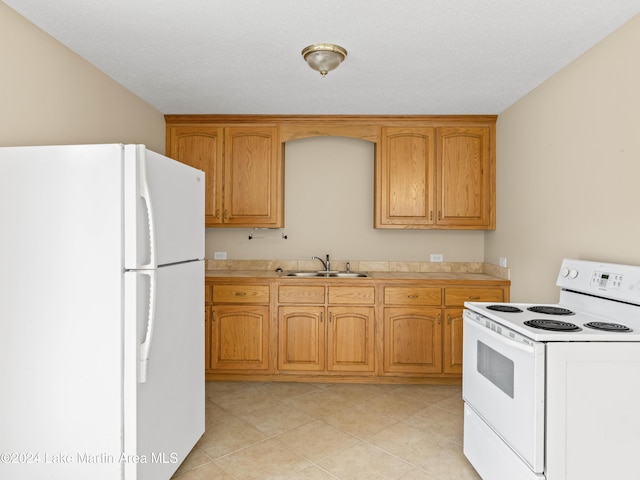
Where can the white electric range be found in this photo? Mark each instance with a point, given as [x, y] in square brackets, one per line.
[551, 390]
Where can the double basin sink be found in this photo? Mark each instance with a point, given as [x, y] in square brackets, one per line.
[325, 274]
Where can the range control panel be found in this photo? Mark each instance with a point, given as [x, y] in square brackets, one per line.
[606, 280]
[620, 282]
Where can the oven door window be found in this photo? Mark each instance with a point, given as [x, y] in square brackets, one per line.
[496, 368]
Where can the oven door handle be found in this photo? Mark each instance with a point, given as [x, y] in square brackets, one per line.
[483, 330]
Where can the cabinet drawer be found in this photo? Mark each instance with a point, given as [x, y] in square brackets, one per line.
[364, 295]
[241, 293]
[457, 296]
[299, 294]
[412, 295]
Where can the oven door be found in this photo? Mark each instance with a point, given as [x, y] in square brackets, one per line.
[503, 382]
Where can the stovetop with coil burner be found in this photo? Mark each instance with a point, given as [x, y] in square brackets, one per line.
[557, 322]
[599, 302]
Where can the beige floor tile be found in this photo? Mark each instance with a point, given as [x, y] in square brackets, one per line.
[313, 473]
[268, 460]
[365, 462]
[449, 463]
[320, 403]
[439, 422]
[418, 474]
[324, 431]
[276, 419]
[196, 458]
[430, 394]
[245, 401]
[209, 471]
[284, 390]
[395, 405]
[228, 436]
[360, 421]
[218, 388]
[356, 392]
[409, 442]
[317, 440]
[453, 404]
[214, 413]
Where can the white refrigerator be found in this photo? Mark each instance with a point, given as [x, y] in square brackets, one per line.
[101, 312]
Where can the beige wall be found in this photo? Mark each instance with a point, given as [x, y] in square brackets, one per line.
[49, 95]
[568, 175]
[329, 209]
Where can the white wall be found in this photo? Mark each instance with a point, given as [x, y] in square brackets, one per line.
[50, 95]
[329, 209]
[568, 169]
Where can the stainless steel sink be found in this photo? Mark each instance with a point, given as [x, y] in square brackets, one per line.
[330, 274]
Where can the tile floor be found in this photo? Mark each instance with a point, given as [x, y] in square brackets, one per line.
[314, 431]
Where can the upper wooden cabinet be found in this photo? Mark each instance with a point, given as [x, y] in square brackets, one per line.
[432, 172]
[244, 171]
[435, 177]
[201, 148]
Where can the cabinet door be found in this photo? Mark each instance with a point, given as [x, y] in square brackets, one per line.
[465, 177]
[240, 337]
[201, 148]
[350, 339]
[405, 178]
[253, 195]
[452, 341]
[412, 340]
[301, 338]
[208, 315]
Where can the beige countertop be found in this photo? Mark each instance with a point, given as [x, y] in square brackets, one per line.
[424, 276]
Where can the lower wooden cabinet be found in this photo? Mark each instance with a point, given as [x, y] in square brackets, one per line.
[326, 339]
[340, 330]
[412, 340]
[452, 341]
[237, 328]
[350, 342]
[239, 337]
[423, 327]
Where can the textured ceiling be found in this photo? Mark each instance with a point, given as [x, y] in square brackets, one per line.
[405, 56]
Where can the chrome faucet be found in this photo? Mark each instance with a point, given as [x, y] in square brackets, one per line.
[325, 263]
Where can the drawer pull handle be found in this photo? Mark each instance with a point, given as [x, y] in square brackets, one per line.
[474, 298]
[413, 296]
[241, 294]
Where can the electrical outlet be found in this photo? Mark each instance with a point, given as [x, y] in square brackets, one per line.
[436, 257]
[503, 262]
[219, 255]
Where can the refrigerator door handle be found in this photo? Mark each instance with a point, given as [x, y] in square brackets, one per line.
[145, 194]
[145, 346]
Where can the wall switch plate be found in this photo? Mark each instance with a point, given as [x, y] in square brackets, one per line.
[436, 257]
[503, 262]
[219, 255]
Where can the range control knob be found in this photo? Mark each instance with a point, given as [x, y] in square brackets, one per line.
[564, 272]
[573, 273]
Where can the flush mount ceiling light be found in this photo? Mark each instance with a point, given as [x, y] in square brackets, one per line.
[324, 57]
